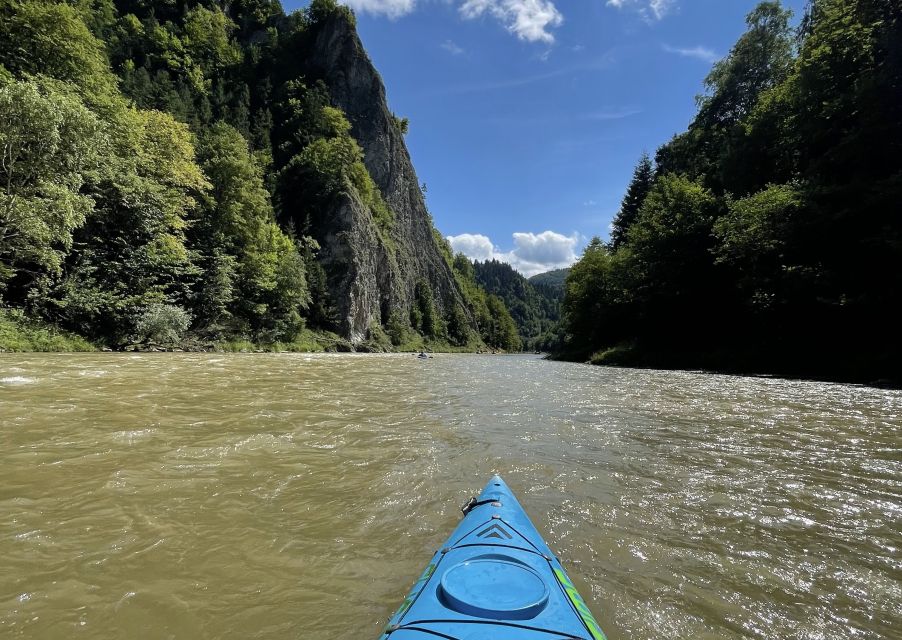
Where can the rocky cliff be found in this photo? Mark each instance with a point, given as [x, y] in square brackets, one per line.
[371, 275]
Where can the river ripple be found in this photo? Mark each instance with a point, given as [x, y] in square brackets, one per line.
[291, 496]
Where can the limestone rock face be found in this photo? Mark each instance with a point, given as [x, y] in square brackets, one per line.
[369, 277]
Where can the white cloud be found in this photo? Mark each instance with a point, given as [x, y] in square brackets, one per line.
[649, 9]
[529, 20]
[473, 245]
[700, 53]
[452, 47]
[661, 8]
[390, 8]
[532, 253]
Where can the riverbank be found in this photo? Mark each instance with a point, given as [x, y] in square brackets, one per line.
[21, 334]
[18, 333]
[826, 365]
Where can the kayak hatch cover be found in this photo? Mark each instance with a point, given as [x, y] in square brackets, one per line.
[495, 579]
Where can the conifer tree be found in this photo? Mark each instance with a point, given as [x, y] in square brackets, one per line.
[632, 201]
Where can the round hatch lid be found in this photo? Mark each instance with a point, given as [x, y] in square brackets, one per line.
[494, 587]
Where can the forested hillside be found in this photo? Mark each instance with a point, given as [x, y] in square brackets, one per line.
[536, 310]
[768, 235]
[200, 171]
[552, 282]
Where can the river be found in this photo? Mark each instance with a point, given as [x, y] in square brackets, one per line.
[275, 496]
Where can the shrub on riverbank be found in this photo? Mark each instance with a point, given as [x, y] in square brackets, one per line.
[19, 333]
[306, 342]
[619, 355]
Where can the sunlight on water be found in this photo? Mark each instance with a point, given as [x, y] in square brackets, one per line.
[298, 496]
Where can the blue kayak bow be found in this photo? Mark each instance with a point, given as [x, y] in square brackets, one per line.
[495, 579]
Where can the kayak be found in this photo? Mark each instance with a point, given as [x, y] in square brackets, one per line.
[494, 579]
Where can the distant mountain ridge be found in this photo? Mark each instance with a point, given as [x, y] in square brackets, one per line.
[553, 281]
[534, 306]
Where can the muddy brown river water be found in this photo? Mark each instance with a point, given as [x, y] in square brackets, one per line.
[272, 496]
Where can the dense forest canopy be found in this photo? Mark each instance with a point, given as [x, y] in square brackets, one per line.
[167, 166]
[768, 235]
[535, 309]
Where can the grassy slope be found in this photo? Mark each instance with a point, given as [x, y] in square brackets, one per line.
[18, 333]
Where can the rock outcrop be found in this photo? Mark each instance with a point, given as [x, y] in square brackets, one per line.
[371, 275]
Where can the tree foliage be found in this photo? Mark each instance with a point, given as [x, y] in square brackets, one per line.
[262, 275]
[635, 195]
[771, 228]
[48, 140]
[534, 310]
[497, 329]
[167, 168]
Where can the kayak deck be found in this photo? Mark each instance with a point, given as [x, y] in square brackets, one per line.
[495, 579]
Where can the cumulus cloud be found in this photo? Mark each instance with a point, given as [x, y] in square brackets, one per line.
[390, 8]
[473, 245]
[648, 9]
[701, 53]
[532, 253]
[529, 20]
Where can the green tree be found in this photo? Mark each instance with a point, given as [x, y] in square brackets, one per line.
[761, 59]
[428, 319]
[48, 141]
[635, 195]
[207, 38]
[132, 247]
[670, 259]
[238, 221]
[715, 148]
[757, 229]
[586, 299]
[214, 300]
[51, 39]
[320, 10]
[458, 326]
[502, 331]
[327, 166]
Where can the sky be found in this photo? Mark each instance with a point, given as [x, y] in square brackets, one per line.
[527, 117]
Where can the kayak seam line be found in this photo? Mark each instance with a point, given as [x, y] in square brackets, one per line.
[499, 623]
[503, 546]
[527, 540]
[429, 631]
[470, 532]
[457, 544]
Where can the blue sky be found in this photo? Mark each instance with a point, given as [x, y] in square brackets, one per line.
[528, 116]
